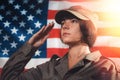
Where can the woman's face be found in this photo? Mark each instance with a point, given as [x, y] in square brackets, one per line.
[70, 31]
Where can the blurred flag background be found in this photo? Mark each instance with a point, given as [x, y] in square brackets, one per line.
[20, 19]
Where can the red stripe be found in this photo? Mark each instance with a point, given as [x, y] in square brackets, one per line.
[59, 52]
[51, 14]
[108, 51]
[105, 51]
[54, 33]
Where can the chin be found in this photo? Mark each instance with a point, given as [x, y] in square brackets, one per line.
[66, 42]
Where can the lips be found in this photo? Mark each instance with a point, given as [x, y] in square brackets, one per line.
[66, 34]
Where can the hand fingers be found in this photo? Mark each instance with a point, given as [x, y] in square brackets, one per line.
[48, 28]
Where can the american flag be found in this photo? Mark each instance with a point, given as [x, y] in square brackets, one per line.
[20, 19]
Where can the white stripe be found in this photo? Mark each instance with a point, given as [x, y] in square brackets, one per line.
[59, 5]
[97, 6]
[55, 43]
[35, 62]
[108, 41]
[32, 63]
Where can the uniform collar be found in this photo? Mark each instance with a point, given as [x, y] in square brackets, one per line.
[94, 56]
[62, 67]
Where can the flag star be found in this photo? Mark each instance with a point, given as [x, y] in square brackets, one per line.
[21, 37]
[8, 12]
[40, 1]
[37, 24]
[38, 11]
[23, 12]
[25, 1]
[32, 6]
[17, 6]
[0, 45]
[6, 37]
[6, 24]
[13, 45]
[30, 31]
[22, 24]
[30, 17]
[15, 18]
[37, 53]
[11, 1]
[14, 30]
[0, 31]
[1, 18]
[2, 7]
[5, 51]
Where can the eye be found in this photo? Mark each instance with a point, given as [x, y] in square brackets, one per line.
[74, 20]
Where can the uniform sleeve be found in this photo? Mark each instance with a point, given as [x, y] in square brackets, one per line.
[14, 67]
[107, 70]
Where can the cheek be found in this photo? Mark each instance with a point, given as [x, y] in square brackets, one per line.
[77, 34]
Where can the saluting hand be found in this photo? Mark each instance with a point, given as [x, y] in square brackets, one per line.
[40, 37]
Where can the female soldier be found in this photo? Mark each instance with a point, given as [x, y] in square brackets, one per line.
[79, 63]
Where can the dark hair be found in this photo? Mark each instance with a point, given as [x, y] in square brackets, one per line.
[88, 32]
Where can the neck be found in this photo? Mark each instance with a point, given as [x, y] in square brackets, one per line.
[78, 50]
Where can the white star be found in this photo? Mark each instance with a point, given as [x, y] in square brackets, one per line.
[23, 12]
[2, 7]
[5, 51]
[30, 31]
[13, 44]
[1, 18]
[6, 24]
[11, 1]
[15, 18]
[40, 1]
[21, 37]
[30, 17]
[0, 31]
[32, 6]
[37, 24]
[38, 11]
[0, 45]
[37, 53]
[6, 37]
[14, 30]
[25, 1]
[22, 24]
[17, 6]
[8, 12]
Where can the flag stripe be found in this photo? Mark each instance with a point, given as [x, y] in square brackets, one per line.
[105, 51]
[96, 5]
[109, 31]
[75, 0]
[106, 41]
[60, 52]
[108, 51]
